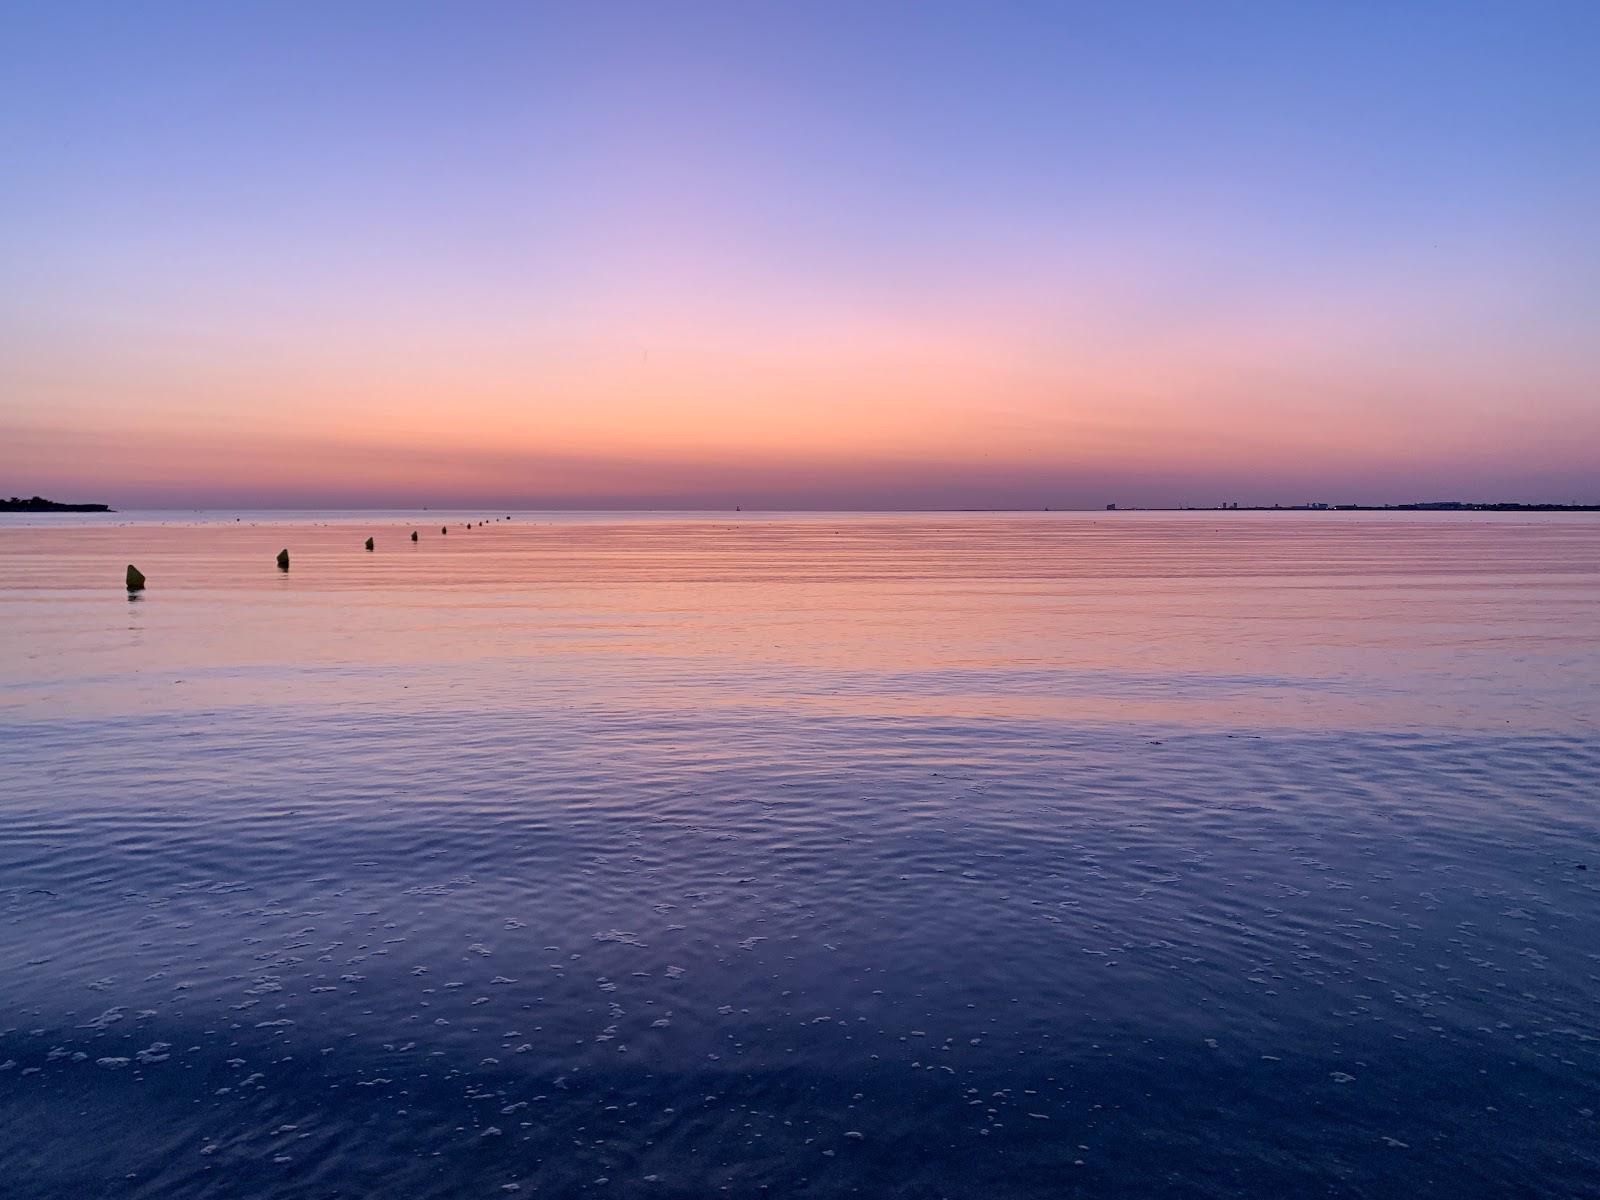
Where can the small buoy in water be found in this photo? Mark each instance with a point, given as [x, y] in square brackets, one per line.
[135, 579]
[413, 535]
[444, 529]
[369, 543]
[283, 559]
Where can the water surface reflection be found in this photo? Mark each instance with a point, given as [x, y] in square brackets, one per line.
[829, 855]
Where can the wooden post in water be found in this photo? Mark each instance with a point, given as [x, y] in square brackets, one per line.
[135, 579]
[369, 543]
[283, 559]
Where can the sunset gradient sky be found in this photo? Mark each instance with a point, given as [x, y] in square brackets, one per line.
[799, 255]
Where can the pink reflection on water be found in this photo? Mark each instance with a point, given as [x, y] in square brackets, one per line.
[1243, 620]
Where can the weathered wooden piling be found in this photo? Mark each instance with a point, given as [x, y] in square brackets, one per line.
[135, 579]
[369, 543]
[283, 559]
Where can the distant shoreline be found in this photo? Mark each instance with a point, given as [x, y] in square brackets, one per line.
[38, 504]
[1419, 506]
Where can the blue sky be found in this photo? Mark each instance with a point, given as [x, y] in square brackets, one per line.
[1037, 249]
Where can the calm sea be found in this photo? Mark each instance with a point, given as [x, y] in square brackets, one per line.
[1108, 855]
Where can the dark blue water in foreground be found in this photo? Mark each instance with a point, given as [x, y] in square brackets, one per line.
[838, 856]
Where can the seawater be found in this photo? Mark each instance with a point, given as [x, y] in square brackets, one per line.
[689, 855]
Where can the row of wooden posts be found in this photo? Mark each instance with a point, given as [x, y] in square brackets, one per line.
[136, 576]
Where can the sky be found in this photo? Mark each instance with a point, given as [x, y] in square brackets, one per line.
[800, 255]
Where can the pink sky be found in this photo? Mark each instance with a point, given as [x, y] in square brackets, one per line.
[752, 261]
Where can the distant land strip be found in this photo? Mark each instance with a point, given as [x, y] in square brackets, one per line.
[1418, 506]
[40, 504]
[36, 504]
